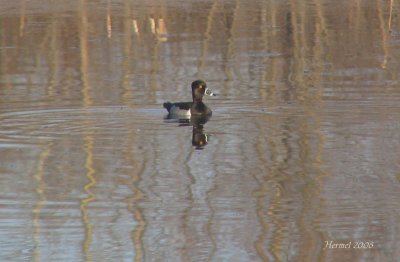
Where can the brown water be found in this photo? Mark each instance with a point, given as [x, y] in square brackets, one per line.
[302, 148]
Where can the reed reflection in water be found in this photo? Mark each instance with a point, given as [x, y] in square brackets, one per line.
[302, 148]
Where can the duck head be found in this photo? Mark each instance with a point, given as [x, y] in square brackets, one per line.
[199, 89]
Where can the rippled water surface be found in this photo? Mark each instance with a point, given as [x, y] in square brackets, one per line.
[299, 162]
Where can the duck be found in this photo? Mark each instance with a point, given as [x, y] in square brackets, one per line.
[196, 108]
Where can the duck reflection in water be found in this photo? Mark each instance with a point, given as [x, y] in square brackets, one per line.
[194, 113]
[199, 137]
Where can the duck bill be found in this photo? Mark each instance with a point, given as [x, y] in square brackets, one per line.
[209, 92]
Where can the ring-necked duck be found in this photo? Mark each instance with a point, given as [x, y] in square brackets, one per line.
[195, 108]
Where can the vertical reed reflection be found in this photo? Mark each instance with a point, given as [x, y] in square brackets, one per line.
[22, 19]
[129, 54]
[279, 226]
[206, 39]
[88, 139]
[267, 92]
[41, 199]
[109, 20]
[231, 21]
[54, 59]
[84, 54]
[84, 203]
[390, 16]
[155, 66]
[263, 191]
[138, 167]
[186, 232]
[384, 32]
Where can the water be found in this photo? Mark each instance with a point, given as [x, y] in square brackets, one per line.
[301, 151]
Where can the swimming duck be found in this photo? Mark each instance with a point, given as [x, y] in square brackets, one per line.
[195, 108]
